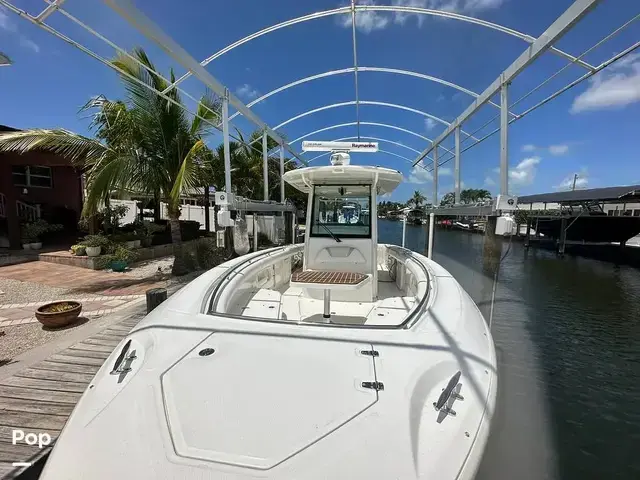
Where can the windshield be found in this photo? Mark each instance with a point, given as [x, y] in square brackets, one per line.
[343, 210]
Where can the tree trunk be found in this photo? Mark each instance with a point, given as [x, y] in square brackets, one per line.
[179, 263]
[156, 208]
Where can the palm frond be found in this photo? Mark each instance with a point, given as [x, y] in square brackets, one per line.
[187, 177]
[80, 150]
[209, 108]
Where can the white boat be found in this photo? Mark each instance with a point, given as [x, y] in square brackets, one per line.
[340, 358]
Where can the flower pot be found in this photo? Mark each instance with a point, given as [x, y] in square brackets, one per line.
[93, 251]
[80, 252]
[130, 244]
[61, 318]
[26, 246]
[118, 265]
[136, 244]
[35, 245]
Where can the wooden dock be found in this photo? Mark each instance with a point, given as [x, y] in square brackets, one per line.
[40, 398]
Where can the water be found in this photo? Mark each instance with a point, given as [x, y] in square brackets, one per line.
[567, 334]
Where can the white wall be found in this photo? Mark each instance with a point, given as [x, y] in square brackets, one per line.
[132, 213]
[192, 212]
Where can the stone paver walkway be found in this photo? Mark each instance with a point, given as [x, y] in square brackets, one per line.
[79, 280]
[21, 313]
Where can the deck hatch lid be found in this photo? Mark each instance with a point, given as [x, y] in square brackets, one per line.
[261, 399]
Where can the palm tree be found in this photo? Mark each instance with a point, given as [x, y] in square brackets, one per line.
[417, 199]
[145, 144]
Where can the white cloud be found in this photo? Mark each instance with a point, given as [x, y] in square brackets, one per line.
[420, 175]
[525, 172]
[5, 21]
[8, 26]
[615, 88]
[459, 6]
[247, 91]
[558, 149]
[369, 20]
[567, 183]
[25, 42]
[385, 195]
[489, 182]
[429, 123]
[443, 171]
[496, 170]
[366, 21]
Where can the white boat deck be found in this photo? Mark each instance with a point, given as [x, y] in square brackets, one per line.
[292, 304]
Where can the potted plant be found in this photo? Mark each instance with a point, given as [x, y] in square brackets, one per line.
[58, 314]
[79, 250]
[94, 244]
[121, 258]
[33, 231]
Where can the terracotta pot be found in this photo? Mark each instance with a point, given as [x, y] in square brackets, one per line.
[93, 251]
[58, 319]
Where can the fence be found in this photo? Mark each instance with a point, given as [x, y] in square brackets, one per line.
[271, 225]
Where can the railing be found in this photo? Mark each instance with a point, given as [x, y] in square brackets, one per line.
[3, 206]
[26, 212]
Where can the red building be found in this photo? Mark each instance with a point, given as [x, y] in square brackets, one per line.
[37, 185]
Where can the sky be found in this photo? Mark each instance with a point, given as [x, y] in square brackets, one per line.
[591, 130]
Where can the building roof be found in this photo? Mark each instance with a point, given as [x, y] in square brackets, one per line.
[608, 194]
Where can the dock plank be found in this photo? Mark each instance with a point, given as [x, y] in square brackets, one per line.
[56, 376]
[39, 395]
[28, 420]
[41, 398]
[102, 342]
[79, 352]
[35, 406]
[88, 347]
[66, 367]
[73, 360]
[18, 453]
[51, 385]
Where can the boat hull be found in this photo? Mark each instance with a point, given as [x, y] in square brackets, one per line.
[216, 396]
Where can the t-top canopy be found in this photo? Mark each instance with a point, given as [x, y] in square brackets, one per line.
[304, 178]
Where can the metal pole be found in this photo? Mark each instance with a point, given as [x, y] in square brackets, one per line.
[504, 139]
[404, 228]
[575, 177]
[225, 139]
[435, 176]
[281, 175]
[432, 220]
[456, 168]
[326, 314]
[255, 231]
[265, 166]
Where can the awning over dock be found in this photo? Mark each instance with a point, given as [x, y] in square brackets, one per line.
[629, 193]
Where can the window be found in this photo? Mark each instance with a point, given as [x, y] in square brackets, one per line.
[616, 213]
[636, 213]
[31, 176]
[341, 210]
[610, 213]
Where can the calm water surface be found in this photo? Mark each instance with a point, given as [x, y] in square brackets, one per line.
[567, 334]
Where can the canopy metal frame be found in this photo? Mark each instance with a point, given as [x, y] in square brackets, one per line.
[537, 46]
